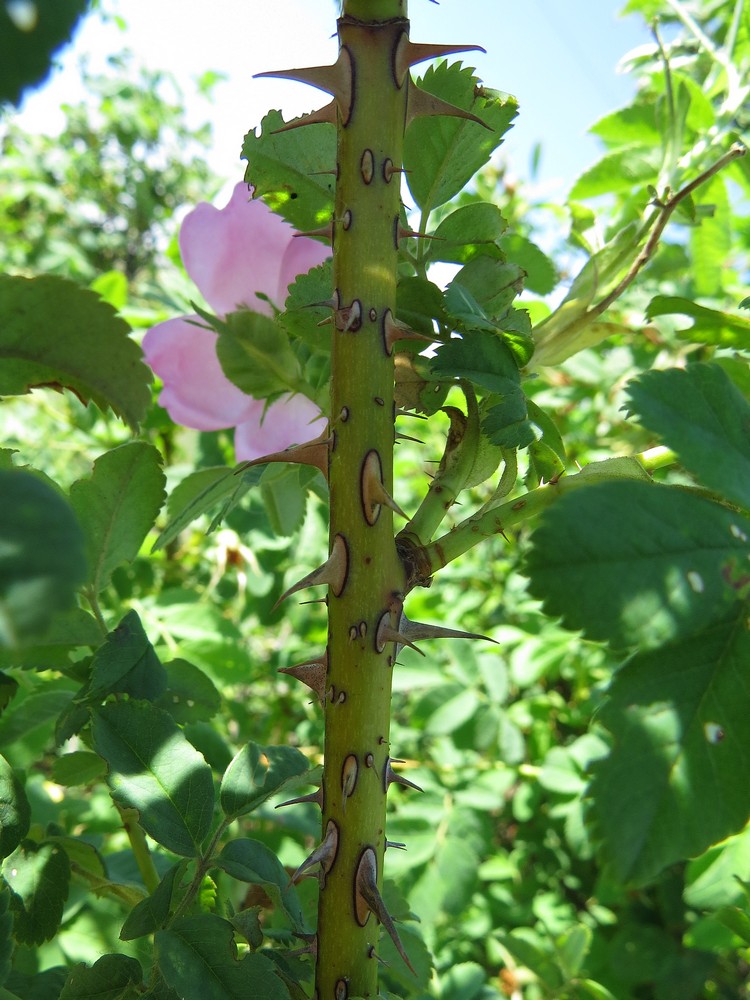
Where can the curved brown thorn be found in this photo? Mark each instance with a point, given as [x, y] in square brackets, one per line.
[316, 797]
[311, 672]
[410, 53]
[325, 115]
[373, 493]
[333, 572]
[313, 452]
[335, 80]
[394, 329]
[387, 633]
[367, 900]
[391, 777]
[324, 855]
[420, 103]
[422, 630]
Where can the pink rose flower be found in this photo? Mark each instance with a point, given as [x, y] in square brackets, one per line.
[232, 254]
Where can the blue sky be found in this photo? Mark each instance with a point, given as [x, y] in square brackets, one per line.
[557, 56]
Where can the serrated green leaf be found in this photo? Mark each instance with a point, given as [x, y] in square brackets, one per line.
[711, 240]
[125, 663]
[253, 862]
[539, 271]
[80, 767]
[153, 768]
[419, 303]
[200, 492]
[255, 355]
[621, 170]
[632, 562]
[737, 920]
[197, 957]
[443, 153]
[304, 313]
[42, 556]
[699, 413]
[67, 633]
[45, 985]
[112, 977]
[290, 170]
[480, 356]
[117, 505]
[15, 811]
[710, 326]
[190, 695]
[572, 948]
[55, 333]
[491, 283]
[467, 232]
[152, 913]
[38, 876]
[678, 716]
[32, 712]
[634, 125]
[284, 489]
[256, 773]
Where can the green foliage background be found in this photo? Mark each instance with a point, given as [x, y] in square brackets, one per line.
[582, 829]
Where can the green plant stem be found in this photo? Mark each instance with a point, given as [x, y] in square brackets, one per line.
[501, 518]
[91, 596]
[139, 847]
[202, 865]
[357, 709]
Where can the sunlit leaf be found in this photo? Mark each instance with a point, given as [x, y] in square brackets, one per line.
[153, 768]
[117, 505]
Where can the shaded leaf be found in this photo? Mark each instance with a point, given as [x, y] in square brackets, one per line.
[256, 773]
[7, 945]
[251, 861]
[197, 957]
[42, 556]
[632, 562]
[38, 876]
[112, 977]
[152, 913]
[125, 663]
[699, 413]
[117, 506]
[153, 768]
[55, 333]
[678, 716]
[15, 811]
[190, 694]
[200, 492]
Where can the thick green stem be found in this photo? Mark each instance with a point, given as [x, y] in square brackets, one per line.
[368, 590]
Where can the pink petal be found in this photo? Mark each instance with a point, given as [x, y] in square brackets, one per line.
[196, 391]
[290, 420]
[234, 252]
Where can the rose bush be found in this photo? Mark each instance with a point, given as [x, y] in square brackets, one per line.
[232, 254]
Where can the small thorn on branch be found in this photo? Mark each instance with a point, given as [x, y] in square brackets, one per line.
[311, 672]
[313, 453]
[367, 900]
[316, 797]
[391, 777]
[323, 855]
[333, 572]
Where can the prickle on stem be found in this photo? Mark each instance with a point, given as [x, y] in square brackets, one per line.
[323, 855]
[367, 900]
